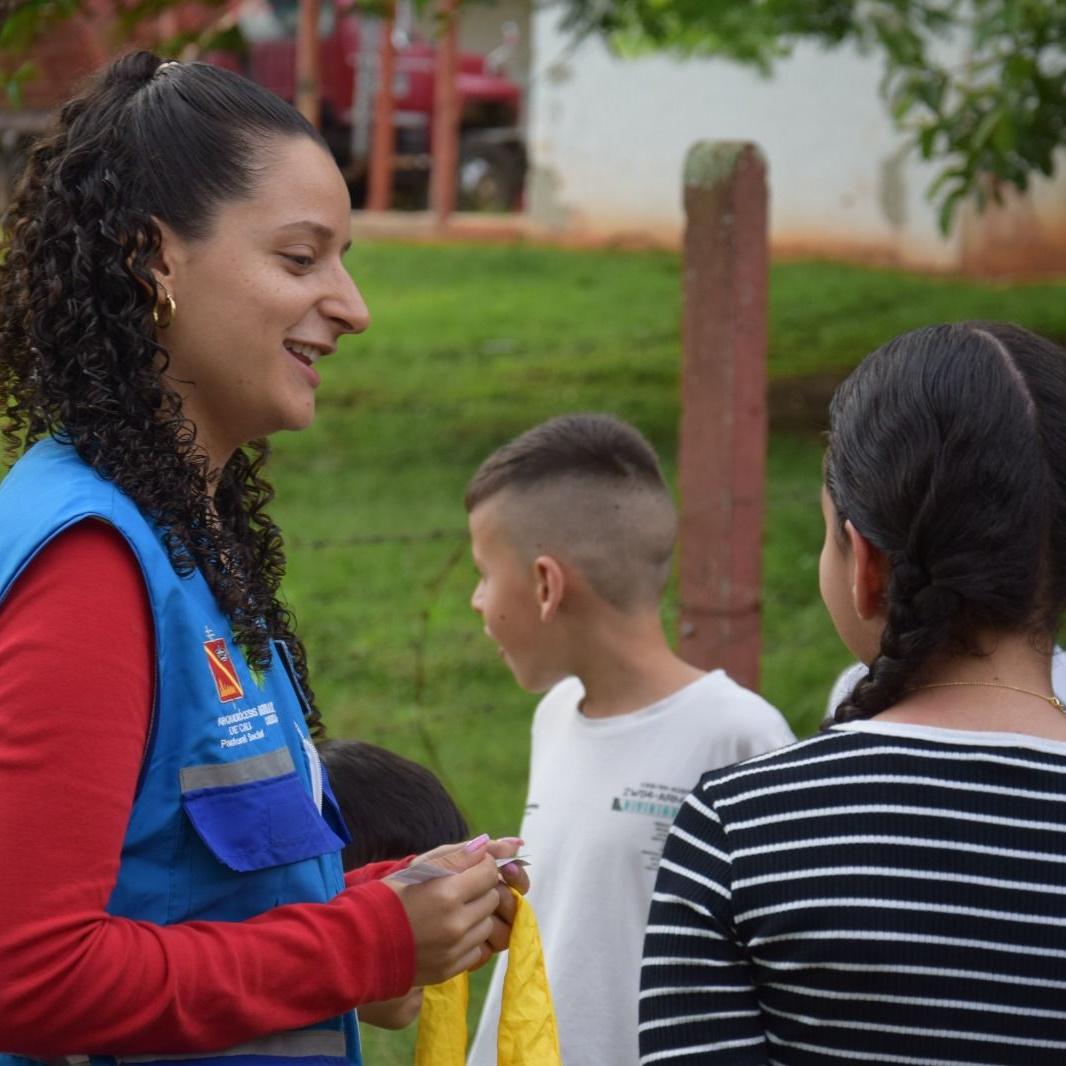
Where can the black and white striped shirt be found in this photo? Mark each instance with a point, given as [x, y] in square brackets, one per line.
[881, 893]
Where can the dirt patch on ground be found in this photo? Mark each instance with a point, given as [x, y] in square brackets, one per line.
[800, 404]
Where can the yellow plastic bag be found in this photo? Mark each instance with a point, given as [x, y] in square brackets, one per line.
[442, 1023]
[527, 1035]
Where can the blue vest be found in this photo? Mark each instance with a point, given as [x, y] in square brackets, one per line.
[233, 815]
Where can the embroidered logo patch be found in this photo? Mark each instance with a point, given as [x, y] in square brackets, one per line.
[223, 670]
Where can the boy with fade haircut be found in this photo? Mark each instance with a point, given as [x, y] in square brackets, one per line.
[572, 530]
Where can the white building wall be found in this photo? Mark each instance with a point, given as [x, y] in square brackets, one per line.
[608, 139]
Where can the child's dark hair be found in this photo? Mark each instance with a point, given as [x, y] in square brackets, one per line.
[79, 358]
[594, 446]
[947, 451]
[393, 807]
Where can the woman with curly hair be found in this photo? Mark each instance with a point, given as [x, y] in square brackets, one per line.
[171, 279]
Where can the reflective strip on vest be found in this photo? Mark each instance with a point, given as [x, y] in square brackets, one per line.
[306, 1043]
[241, 772]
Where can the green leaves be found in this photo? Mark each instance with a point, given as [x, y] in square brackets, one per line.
[21, 21]
[979, 85]
[24, 22]
[995, 118]
[990, 119]
[12, 81]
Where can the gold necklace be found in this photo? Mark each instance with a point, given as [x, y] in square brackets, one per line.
[1053, 700]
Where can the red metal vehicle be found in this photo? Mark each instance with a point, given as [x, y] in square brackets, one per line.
[492, 161]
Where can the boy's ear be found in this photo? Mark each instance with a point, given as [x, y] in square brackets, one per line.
[551, 585]
[870, 577]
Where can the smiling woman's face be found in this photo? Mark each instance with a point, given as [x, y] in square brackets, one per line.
[261, 300]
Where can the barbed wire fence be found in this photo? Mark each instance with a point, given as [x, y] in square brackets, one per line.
[446, 533]
[428, 719]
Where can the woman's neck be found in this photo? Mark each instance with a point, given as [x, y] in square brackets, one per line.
[1007, 689]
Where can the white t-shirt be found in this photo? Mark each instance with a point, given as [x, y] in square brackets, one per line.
[850, 676]
[603, 793]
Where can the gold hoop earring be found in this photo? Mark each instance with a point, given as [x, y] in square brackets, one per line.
[172, 310]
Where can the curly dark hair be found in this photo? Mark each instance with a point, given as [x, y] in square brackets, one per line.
[79, 357]
[947, 451]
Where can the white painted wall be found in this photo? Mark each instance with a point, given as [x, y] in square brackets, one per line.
[608, 138]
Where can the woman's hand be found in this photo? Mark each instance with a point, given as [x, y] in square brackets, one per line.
[515, 876]
[470, 905]
[502, 848]
[511, 874]
[452, 917]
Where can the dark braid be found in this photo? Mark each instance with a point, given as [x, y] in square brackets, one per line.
[943, 454]
[79, 358]
[918, 623]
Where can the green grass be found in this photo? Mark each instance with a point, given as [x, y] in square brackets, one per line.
[471, 345]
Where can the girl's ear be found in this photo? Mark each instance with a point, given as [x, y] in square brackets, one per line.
[550, 585]
[870, 575]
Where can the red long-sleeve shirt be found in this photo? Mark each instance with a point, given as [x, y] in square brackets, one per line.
[76, 683]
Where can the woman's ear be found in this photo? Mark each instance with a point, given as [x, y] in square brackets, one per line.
[869, 578]
[551, 585]
[168, 256]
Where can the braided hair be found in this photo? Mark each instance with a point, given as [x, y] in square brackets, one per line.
[79, 357]
[947, 451]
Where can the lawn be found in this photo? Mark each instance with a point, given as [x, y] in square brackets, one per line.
[471, 345]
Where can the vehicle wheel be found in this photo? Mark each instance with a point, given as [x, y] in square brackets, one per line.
[490, 178]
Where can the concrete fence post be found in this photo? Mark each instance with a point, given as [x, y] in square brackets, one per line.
[723, 407]
[443, 176]
[308, 63]
[383, 144]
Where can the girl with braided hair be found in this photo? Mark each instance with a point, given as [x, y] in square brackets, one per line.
[893, 890]
[171, 278]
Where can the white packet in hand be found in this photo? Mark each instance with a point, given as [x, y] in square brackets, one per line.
[419, 872]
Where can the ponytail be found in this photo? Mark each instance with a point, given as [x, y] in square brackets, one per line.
[940, 454]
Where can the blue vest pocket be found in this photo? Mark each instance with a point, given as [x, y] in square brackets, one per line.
[255, 813]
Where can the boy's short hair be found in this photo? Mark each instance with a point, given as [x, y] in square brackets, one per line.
[393, 807]
[588, 489]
